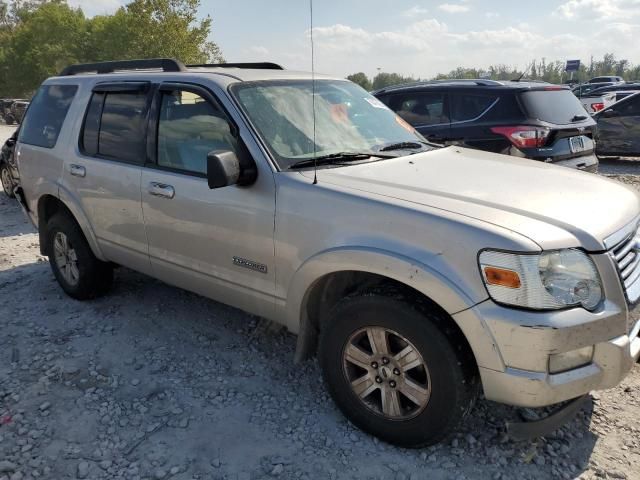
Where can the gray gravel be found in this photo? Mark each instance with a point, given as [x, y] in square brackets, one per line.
[152, 382]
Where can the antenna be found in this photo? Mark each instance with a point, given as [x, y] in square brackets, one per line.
[524, 73]
[313, 94]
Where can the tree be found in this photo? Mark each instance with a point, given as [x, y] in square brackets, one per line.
[41, 43]
[361, 79]
[383, 79]
[154, 28]
[40, 37]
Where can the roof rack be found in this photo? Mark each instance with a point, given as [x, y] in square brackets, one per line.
[255, 65]
[474, 81]
[164, 64]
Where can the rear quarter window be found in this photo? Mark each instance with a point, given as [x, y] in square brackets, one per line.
[46, 114]
[553, 106]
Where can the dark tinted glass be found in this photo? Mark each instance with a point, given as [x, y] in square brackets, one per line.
[553, 106]
[190, 128]
[419, 109]
[467, 106]
[122, 127]
[46, 115]
[92, 125]
[630, 108]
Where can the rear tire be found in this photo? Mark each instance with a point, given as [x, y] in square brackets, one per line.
[7, 182]
[439, 378]
[80, 274]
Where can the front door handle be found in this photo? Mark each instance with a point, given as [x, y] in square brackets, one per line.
[161, 190]
[77, 170]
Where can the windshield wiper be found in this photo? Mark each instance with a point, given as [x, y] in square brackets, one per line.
[402, 146]
[406, 146]
[337, 158]
[578, 118]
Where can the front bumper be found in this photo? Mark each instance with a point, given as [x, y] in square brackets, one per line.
[512, 347]
[611, 362]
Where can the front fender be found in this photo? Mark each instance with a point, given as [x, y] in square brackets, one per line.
[377, 261]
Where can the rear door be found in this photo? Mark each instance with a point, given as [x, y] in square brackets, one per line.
[470, 124]
[619, 128]
[216, 242]
[427, 112]
[105, 172]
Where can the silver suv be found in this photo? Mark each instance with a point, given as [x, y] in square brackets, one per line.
[419, 275]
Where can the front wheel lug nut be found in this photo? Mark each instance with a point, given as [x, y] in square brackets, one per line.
[378, 380]
[396, 371]
[392, 384]
[385, 360]
[374, 364]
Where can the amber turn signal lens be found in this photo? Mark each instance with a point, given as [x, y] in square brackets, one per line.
[502, 277]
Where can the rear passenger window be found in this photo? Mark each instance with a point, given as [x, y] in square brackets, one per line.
[630, 108]
[420, 109]
[189, 128]
[46, 115]
[466, 106]
[115, 126]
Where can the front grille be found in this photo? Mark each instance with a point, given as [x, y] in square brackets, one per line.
[627, 258]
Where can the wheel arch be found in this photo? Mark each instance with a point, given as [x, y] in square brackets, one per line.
[332, 275]
[50, 205]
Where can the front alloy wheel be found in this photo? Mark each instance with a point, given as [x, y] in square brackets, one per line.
[387, 373]
[397, 370]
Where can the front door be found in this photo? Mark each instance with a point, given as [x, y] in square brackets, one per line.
[427, 112]
[217, 242]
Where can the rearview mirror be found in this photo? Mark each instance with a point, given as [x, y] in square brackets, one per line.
[223, 168]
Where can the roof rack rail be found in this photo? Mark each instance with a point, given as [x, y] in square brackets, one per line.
[256, 65]
[164, 64]
[477, 81]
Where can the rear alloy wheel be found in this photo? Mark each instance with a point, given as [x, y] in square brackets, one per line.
[394, 372]
[66, 258]
[7, 181]
[80, 274]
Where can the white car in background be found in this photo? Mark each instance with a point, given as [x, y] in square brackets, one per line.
[594, 103]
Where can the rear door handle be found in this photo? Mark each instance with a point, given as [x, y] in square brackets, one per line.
[161, 190]
[77, 170]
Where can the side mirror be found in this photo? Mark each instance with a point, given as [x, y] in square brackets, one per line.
[223, 168]
[610, 113]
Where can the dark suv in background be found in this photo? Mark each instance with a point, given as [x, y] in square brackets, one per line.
[534, 120]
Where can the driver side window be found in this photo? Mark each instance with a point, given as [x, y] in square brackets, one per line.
[189, 128]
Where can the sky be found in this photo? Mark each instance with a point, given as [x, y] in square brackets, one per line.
[417, 38]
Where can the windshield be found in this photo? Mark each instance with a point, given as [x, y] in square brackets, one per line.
[348, 119]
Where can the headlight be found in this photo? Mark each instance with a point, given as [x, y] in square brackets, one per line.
[548, 280]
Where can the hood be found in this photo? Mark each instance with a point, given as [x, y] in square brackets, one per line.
[554, 206]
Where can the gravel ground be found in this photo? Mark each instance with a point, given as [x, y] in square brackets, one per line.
[152, 382]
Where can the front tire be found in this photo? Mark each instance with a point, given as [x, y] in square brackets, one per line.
[393, 372]
[7, 181]
[80, 274]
